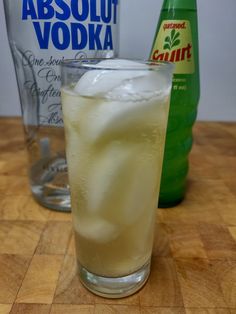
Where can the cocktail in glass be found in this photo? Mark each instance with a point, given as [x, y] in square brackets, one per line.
[115, 116]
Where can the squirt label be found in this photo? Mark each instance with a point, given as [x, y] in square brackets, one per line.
[174, 44]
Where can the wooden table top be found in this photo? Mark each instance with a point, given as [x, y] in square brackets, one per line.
[194, 257]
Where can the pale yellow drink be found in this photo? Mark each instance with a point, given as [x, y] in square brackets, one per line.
[114, 152]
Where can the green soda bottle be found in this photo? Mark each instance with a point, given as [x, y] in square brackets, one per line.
[176, 40]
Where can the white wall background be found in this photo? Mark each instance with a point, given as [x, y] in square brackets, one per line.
[217, 24]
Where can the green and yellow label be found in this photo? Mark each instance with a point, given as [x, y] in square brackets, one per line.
[174, 44]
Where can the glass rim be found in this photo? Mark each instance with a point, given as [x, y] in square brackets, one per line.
[93, 64]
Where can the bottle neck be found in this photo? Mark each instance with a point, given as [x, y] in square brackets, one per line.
[179, 4]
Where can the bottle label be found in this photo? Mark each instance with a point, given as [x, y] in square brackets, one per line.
[42, 33]
[174, 44]
[78, 24]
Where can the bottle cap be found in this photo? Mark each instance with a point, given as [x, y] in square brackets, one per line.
[179, 4]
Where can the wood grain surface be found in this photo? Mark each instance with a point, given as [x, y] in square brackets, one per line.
[194, 254]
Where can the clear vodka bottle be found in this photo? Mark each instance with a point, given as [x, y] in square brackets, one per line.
[41, 33]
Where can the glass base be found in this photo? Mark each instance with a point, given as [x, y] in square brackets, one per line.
[169, 204]
[117, 287]
[49, 184]
[59, 203]
[172, 196]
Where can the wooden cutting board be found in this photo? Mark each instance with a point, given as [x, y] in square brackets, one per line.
[194, 256]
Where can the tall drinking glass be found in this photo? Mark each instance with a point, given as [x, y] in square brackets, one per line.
[115, 115]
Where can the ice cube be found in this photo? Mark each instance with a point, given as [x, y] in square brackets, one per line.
[126, 95]
[143, 87]
[95, 228]
[122, 183]
[101, 82]
[141, 192]
[104, 172]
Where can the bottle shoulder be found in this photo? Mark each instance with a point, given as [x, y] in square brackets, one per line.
[177, 14]
[180, 4]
